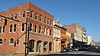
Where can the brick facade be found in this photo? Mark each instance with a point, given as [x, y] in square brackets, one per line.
[63, 37]
[44, 40]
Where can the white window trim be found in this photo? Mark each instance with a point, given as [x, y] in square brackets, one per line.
[13, 28]
[36, 28]
[2, 29]
[21, 27]
[0, 38]
[45, 31]
[40, 30]
[14, 16]
[0, 19]
[22, 14]
[41, 18]
[11, 43]
[32, 15]
[32, 28]
[37, 17]
[9, 28]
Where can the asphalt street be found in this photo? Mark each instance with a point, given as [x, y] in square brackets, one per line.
[92, 52]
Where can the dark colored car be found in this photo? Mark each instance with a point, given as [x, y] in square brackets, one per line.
[64, 50]
[83, 49]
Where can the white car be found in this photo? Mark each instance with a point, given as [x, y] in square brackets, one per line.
[76, 49]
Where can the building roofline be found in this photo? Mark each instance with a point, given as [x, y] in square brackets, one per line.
[28, 8]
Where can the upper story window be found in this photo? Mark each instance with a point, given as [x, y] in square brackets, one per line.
[14, 27]
[11, 16]
[47, 32]
[50, 22]
[40, 18]
[0, 18]
[30, 27]
[3, 29]
[35, 28]
[23, 14]
[44, 31]
[15, 16]
[22, 26]
[40, 28]
[50, 32]
[0, 41]
[36, 17]
[11, 41]
[44, 20]
[31, 14]
[0, 29]
[10, 27]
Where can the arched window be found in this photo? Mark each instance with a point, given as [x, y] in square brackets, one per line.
[50, 46]
[31, 26]
[36, 17]
[11, 41]
[41, 18]
[15, 16]
[23, 14]
[0, 18]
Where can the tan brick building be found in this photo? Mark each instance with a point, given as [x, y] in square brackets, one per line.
[39, 22]
[57, 36]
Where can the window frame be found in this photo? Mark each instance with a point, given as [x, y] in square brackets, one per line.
[41, 18]
[44, 30]
[36, 16]
[35, 29]
[15, 16]
[31, 27]
[22, 27]
[11, 28]
[1, 19]
[15, 27]
[0, 29]
[0, 41]
[50, 22]
[23, 14]
[45, 21]
[40, 29]
[31, 14]
[11, 41]
[3, 29]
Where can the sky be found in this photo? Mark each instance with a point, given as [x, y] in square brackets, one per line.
[86, 13]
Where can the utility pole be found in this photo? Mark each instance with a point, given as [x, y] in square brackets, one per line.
[27, 34]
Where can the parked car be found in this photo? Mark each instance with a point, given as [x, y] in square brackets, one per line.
[75, 49]
[83, 49]
[64, 50]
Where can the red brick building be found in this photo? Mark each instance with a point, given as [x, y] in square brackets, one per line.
[13, 34]
[63, 37]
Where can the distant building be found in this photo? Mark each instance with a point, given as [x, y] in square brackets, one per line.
[57, 36]
[63, 37]
[97, 44]
[90, 41]
[69, 39]
[39, 27]
[78, 34]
